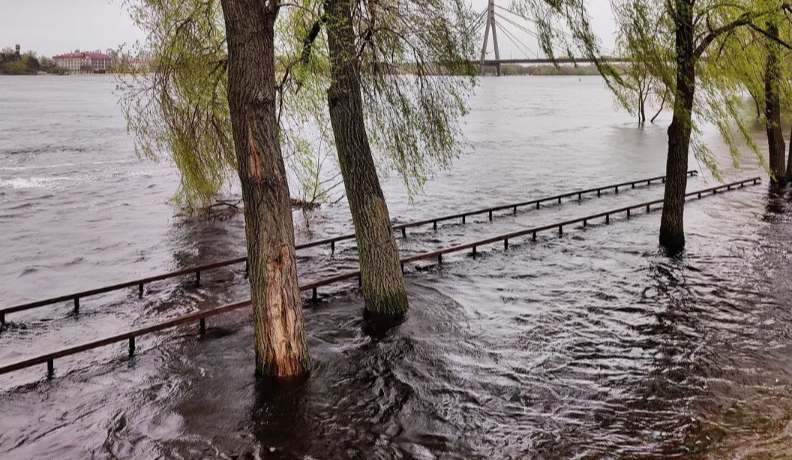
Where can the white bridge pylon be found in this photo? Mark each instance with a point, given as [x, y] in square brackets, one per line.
[512, 25]
[491, 25]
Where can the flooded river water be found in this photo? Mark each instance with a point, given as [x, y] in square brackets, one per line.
[594, 345]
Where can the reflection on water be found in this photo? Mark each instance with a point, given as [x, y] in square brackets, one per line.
[594, 345]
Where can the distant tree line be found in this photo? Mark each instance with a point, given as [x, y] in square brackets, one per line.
[12, 62]
[544, 70]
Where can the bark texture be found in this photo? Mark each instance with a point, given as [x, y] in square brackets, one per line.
[775, 137]
[672, 228]
[380, 267]
[281, 346]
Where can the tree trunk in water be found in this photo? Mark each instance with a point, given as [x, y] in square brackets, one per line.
[756, 105]
[775, 137]
[380, 267]
[281, 346]
[660, 110]
[641, 109]
[672, 228]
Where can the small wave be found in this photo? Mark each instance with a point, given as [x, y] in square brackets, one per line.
[74, 261]
[21, 206]
[29, 271]
[31, 182]
[27, 151]
[82, 165]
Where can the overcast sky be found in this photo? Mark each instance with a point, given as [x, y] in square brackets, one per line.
[53, 27]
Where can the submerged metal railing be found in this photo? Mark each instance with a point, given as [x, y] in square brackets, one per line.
[196, 271]
[201, 317]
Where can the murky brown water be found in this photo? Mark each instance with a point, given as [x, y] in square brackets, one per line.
[590, 346]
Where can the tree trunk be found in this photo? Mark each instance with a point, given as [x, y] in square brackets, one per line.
[775, 137]
[382, 278]
[642, 115]
[281, 346]
[660, 110]
[672, 228]
[756, 104]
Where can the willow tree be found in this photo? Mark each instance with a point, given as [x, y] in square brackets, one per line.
[384, 92]
[752, 58]
[697, 30]
[694, 26]
[772, 97]
[410, 114]
[380, 267]
[640, 85]
[202, 53]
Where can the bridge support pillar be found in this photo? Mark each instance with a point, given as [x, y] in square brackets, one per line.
[491, 25]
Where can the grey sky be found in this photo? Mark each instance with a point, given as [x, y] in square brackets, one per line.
[58, 26]
[602, 22]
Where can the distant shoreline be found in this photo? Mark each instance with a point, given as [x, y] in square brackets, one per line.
[68, 74]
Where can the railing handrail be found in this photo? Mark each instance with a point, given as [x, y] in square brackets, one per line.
[202, 315]
[75, 297]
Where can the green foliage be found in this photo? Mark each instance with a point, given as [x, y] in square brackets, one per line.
[181, 110]
[411, 113]
[728, 58]
[564, 28]
[407, 50]
[728, 61]
[642, 82]
[14, 68]
[12, 63]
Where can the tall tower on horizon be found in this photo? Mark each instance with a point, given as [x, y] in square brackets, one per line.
[491, 25]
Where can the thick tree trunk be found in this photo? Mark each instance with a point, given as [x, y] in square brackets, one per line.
[775, 137]
[281, 346]
[672, 228]
[382, 278]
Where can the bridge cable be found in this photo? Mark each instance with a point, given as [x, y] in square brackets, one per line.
[519, 44]
[478, 22]
[554, 29]
[526, 30]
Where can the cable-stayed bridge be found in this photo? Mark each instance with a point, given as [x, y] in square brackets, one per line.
[518, 30]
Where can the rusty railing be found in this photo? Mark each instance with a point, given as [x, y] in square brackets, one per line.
[196, 271]
[201, 317]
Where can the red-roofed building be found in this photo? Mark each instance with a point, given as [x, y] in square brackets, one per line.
[78, 62]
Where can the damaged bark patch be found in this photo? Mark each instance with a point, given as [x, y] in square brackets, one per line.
[282, 316]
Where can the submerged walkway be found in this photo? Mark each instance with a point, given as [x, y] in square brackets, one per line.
[200, 317]
[331, 242]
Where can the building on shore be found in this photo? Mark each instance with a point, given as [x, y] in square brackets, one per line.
[80, 62]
